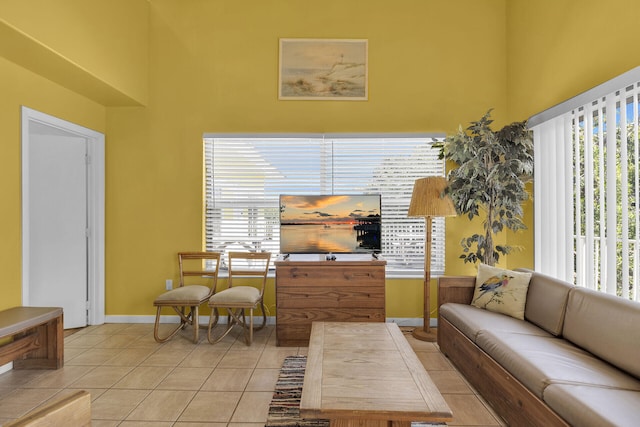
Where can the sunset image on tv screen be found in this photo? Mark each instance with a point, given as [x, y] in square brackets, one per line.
[330, 223]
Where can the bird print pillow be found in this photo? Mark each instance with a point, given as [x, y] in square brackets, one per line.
[501, 291]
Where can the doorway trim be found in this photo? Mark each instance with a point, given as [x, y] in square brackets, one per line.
[95, 209]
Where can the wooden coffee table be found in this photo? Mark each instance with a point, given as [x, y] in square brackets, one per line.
[366, 374]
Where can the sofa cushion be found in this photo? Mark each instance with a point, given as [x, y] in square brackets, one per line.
[501, 291]
[547, 302]
[605, 325]
[537, 361]
[471, 320]
[583, 405]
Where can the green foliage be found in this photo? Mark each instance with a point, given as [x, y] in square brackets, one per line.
[493, 168]
[597, 180]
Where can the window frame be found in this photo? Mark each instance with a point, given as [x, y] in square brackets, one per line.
[584, 218]
[391, 216]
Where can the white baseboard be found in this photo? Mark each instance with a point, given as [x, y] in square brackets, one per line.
[411, 321]
[204, 320]
[6, 368]
[271, 320]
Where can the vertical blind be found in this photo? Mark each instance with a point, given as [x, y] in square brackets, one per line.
[246, 174]
[586, 188]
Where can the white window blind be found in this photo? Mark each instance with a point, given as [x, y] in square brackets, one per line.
[245, 175]
[586, 188]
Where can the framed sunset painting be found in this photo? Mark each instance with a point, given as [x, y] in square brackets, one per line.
[323, 69]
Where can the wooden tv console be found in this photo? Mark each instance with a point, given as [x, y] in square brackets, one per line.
[310, 288]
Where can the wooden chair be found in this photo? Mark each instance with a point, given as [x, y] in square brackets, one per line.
[238, 299]
[204, 265]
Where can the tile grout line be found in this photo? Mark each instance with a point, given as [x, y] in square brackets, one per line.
[156, 349]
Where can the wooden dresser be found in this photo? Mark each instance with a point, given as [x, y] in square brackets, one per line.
[308, 289]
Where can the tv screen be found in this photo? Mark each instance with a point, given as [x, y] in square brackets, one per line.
[330, 223]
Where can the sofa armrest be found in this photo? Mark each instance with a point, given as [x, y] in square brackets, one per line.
[458, 289]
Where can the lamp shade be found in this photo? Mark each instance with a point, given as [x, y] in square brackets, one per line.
[428, 198]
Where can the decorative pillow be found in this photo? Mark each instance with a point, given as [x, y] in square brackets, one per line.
[501, 291]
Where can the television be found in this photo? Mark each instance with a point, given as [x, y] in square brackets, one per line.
[312, 224]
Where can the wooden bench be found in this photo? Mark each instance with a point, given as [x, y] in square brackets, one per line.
[71, 410]
[37, 337]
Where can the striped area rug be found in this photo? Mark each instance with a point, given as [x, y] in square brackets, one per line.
[284, 410]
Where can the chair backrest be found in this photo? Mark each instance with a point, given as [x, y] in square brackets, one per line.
[249, 264]
[203, 265]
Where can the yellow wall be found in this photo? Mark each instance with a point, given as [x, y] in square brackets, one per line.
[68, 59]
[20, 87]
[97, 48]
[159, 74]
[214, 68]
[557, 49]
[560, 48]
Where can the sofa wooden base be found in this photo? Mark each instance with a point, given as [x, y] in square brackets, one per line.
[508, 397]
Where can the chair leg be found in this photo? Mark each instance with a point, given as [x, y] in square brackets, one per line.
[247, 329]
[156, 327]
[250, 326]
[238, 316]
[264, 316]
[184, 318]
[213, 321]
[195, 322]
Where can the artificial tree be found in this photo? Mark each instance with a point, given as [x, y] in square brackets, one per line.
[491, 175]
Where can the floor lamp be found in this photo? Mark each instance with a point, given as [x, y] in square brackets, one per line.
[428, 200]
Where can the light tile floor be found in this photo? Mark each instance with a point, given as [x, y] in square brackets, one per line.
[135, 381]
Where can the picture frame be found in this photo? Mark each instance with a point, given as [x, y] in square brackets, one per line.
[323, 69]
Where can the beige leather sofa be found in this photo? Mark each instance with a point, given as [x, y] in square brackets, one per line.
[574, 360]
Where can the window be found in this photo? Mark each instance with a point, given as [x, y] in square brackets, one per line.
[245, 175]
[586, 188]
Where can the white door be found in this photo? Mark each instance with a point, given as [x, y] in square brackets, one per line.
[62, 245]
[58, 224]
